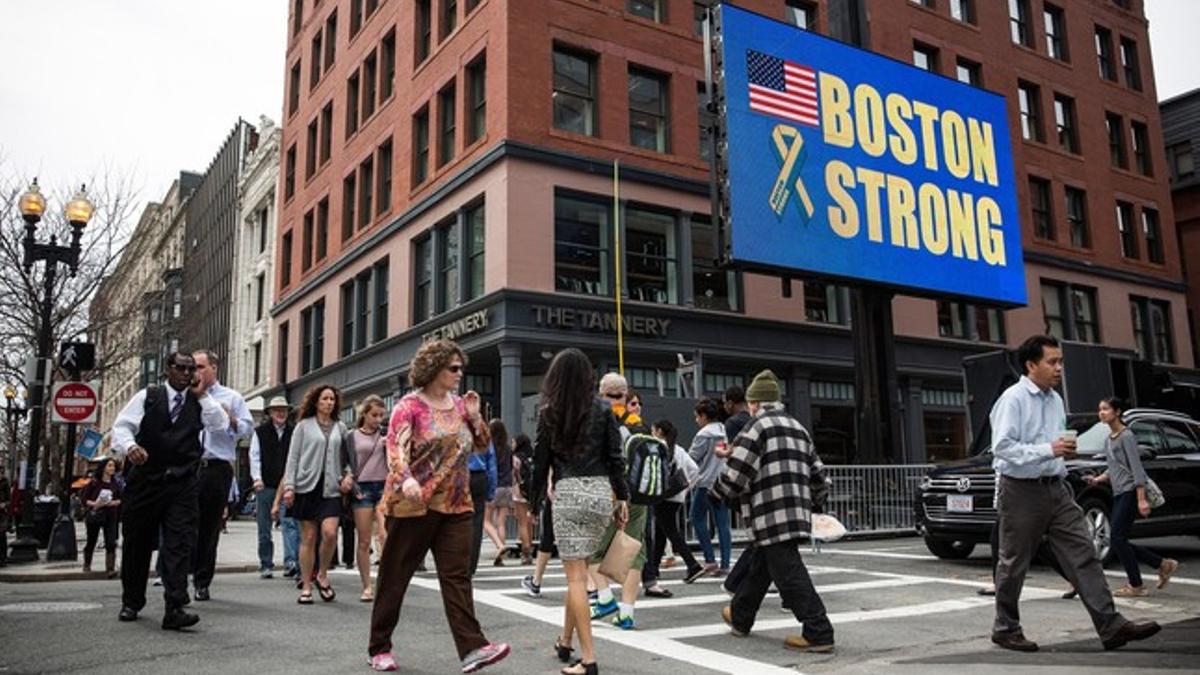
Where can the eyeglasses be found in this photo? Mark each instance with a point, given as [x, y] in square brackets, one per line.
[183, 369]
[635, 403]
[454, 368]
[614, 395]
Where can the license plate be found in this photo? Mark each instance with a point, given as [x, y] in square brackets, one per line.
[960, 503]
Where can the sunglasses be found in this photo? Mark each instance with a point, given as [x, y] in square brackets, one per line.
[183, 369]
[613, 395]
[455, 368]
[635, 404]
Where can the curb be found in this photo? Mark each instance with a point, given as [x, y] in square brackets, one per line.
[17, 576]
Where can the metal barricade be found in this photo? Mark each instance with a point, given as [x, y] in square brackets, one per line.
[870, 499]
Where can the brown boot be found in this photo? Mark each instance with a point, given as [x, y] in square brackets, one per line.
[110, 564]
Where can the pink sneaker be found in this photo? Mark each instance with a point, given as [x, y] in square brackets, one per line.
[485, 656]
[382, 661]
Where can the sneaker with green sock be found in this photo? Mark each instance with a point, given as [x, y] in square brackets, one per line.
[623, 621]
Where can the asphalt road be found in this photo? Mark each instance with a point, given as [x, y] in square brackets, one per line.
[894, 607]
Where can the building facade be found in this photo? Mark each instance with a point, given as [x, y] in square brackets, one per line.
[449, 170]
[249, 364]
[213, 220]
[1181, 134]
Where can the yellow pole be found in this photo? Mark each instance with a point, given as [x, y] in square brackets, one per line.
[617, 263]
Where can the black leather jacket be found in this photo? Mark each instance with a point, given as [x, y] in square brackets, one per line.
[601, 455]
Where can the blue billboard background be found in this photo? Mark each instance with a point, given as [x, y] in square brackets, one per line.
[781, 215]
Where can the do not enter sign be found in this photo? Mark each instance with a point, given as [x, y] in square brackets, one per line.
[73, 403]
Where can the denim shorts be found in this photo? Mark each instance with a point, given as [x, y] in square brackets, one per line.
[372, 494]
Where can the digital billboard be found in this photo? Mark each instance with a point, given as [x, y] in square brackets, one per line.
[843, 164]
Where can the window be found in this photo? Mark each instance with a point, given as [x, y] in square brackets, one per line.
[1056, 32]
[310, 151]
[362, 309]
[1141, 148]
[648, 110]
[963, 10]
[574, 92]
[1125, 228]
[968, 72]
[923, 3]
[952, 320]
[1064, 122]
[322, 228]
[352, 94]
[705, 118]
[477, 99]
[448, 255]
[925, 57]
[289, 173]
[1043, 215]
[420, 146]
[647, 9]
[383, 186]
[1150, 230]
[306, 243]
[262, 229]
[348, 311]
[283, 351]
[387, 64]
[423, 281]
[1129, 63]
[475, 250]
[1183, 163]
[1070, 312]
[1104, 54]
[1029, 98]
[366, 182]
[989, 324]
[380, 275]
[1018, 20]
[372, 5]
[257, 362]
[1152, 329]
[446, 125]
[449, 17]
[651, 256]
[348, 203]
[713, 288]
[330, 39]
[1081, 235]
[1115, 127]
[326, 133]
[314, 71]
[285, 261]
[581, 261]
[297, 17]
[370, 71]
[312, 337]
[424, 28]
[472, 4]
[294, 90]
[825, 303]
[801, 14]
[260, 283]
[356, 16]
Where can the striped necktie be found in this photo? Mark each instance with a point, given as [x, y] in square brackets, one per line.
[176, 406]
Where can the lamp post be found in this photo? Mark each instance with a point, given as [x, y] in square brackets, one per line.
[78, 212]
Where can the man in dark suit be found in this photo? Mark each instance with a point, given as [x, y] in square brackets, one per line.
[158, 432]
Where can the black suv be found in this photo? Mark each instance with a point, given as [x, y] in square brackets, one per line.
[955, 510]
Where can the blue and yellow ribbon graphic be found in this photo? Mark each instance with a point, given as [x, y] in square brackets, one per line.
[789, 150]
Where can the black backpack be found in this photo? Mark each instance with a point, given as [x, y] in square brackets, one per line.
[649, 468]
[525, 474]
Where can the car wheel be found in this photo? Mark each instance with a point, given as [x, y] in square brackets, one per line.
[949, 549]
[1099, 525]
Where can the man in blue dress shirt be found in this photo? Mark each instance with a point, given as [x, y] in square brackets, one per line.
[1030, 452]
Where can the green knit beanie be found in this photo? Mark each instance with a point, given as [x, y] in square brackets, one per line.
[764, 388]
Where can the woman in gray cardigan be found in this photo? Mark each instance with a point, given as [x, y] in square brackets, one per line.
[1128, 479]
[314, 480]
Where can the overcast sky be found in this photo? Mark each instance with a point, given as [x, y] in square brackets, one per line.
[150, 87]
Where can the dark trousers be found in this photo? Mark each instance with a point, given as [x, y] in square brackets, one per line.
[1029, 511]
[1044, 554]
[782, 564]
[213, 497]
[1123, 512]
[479, 483]
[147, 506]
[346, 521]
[408, 540]
[666, 528]
[546, 519]
[741, 568]
[109, 527]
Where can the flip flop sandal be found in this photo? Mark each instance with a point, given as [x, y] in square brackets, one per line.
[327, 593]
[305, 598]
[367, 596]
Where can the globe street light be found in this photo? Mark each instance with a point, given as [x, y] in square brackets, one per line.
[78, 212]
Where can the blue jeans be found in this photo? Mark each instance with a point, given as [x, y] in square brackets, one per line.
[1124, 511]
[701, 507]
[262, 515]
[291, 539]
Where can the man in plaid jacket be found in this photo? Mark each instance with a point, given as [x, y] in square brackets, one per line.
[774, 470]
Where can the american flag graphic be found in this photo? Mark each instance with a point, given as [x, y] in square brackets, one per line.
[782, 88]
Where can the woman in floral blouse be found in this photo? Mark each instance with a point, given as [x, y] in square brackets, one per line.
[427, 503]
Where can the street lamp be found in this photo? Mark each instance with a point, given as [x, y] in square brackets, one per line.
[78, 212]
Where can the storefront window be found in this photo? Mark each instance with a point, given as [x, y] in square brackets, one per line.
[945, 436]
[833, 433]
[651, 256]
[822, 303]
[712, 287]
[581, 261]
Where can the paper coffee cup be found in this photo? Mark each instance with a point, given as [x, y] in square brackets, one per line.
[1068, 434]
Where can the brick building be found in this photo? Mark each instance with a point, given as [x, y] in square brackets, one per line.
[448, 170]
[1181, 134]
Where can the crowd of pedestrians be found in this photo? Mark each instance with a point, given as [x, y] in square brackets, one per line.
[607, 490]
